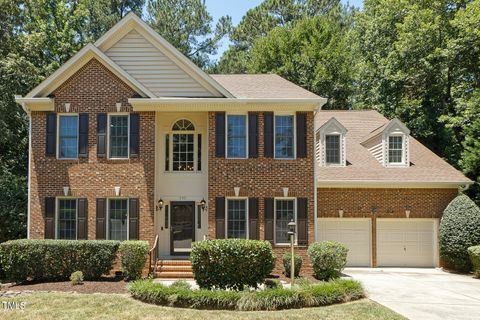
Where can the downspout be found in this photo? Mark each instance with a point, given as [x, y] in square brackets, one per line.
[315, 215]
[29, 167]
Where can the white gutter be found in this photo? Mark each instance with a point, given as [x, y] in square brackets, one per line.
[393, 183]
[173, 100]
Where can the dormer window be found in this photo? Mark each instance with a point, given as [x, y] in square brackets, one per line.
[395, 150]
[331, 144]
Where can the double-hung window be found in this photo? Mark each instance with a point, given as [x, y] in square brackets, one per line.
[68, 137]
[395, 149]
[237, 218]
[284, 213]
[237, 136]
[67, 219]
[118, 219]
[183, 148]
[332, 149]
[284, 137]
[118, 136]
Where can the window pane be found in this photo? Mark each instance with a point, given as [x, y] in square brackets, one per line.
[183, 125]
[68, 136]
[236, 136]
[284, 137]
[332, 149]
[236, 219]
[119, 136]
[67, 219]
[284, 213]
[395, 149]
[183, 152]
[118, 219]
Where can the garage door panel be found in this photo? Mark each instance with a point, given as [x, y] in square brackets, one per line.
[354, 233]
[408, 243]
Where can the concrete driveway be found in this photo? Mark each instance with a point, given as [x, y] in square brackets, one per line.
[421, 293]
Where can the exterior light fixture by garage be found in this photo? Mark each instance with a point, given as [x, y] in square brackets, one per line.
[159, 205]
[291, 234]
[203, 204]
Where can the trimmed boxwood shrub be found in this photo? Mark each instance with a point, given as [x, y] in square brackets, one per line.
[269, 299]
[287, 261]
[328, 259]
[231, 263]
[474, 253]
[459, 230]
[56, 259]
[133, 255]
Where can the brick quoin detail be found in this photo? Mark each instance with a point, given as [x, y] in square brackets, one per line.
[93, 89]
[262, 178]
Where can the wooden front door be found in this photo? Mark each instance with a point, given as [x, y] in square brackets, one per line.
[182, 227]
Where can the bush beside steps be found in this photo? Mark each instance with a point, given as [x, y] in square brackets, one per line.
[310, 295]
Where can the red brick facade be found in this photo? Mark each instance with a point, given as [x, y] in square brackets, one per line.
[93, 89]
[261, 178]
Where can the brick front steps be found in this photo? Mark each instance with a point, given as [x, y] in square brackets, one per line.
[174, 269]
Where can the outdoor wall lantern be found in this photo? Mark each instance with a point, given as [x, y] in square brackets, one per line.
[203, 204]
[159, 205]
[291, 234]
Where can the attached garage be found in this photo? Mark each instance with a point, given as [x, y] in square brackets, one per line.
[354, 233]
[407, 242]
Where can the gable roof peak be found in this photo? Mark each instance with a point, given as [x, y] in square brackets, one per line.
[333, 122]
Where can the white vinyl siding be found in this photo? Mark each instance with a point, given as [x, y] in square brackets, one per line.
[158, 73]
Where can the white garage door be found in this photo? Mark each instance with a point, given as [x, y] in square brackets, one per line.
[406, 243]
[354, 233]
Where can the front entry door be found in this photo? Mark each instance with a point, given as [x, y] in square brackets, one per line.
[182, 227]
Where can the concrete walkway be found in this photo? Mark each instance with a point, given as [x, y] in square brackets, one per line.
[422, 294]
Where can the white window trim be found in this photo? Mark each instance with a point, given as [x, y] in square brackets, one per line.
[246, 216]
[275, 220]
[246, 135]
[58, 133]
[109, 115]
[341, 162]
[107, 236]
[403, 163]
[275, 135]
[170, 134]
[57, 211]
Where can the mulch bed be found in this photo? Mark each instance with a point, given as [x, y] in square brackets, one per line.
[104, 285]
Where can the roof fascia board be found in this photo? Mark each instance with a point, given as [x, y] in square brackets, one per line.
[75, 63]
[132, 21]
[35, 104]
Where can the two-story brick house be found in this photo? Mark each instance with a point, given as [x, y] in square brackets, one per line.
[130, 140]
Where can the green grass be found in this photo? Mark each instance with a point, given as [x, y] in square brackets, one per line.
[73, 306]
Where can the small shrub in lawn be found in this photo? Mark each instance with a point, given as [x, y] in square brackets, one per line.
[474, 253]
[459, 230]
[287, 262]
[76, 278]
[231, 263]
[328, 259]
[180, 284]
[320, 294]
[56, 259]
[133, 256]
[273, 284]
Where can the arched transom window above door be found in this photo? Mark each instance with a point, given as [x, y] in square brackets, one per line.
[183, 147]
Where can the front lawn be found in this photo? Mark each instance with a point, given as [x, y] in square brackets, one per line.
[73, 306]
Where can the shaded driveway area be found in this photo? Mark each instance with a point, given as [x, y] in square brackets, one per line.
[421, 294]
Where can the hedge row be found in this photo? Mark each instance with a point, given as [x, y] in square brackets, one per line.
[313, 295]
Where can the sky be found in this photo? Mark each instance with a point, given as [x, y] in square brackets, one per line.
[237, 9]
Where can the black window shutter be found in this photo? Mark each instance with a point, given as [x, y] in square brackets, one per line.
[253, 218]
[82, 219]
[102, 135]
[302, 221]
[220, 218]
[268, 134]
[49, 218]
[268, 207]
[252, 135]
[51, 135]
[134, 134]
[83, 135]
[301, 135]
[219, 134]
[133, 219]
[101, 219]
